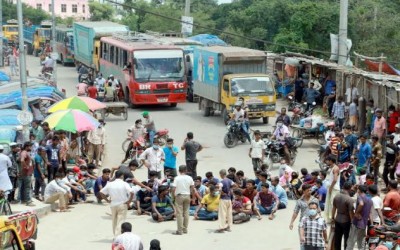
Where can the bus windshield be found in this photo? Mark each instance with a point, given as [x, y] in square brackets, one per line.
[12, 29]
[45, 32]
[251, 86]
[158, 65]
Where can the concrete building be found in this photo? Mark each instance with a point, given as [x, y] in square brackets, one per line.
[78, 9]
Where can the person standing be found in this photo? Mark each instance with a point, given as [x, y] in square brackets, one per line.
[360, 219]
[376, 157]
[97, 140]
[351, 93]
[342, 215]
[121, 196]
[191, 148]
[364, 153]
[257, 151]
[5, 164]
[53, 158]
[150, 126]
[170, 152]
[353, 115]
[338, 112]
[391, 153]
[182, 187]
[152, 158]
[310, 95]
[379, 125]
[370, 110]
[82, 89]
[13, 170]
[40, 173]
[225, 216]
[127, 240]
[333, 185]
[313, 229]
[25, 179]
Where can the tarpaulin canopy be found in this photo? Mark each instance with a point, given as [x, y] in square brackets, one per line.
[386, 68]
[208, 40]
[4, 77]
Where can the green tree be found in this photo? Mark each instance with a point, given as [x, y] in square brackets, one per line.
[99, 12]
[29, 13]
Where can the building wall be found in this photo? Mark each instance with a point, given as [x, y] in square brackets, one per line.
[78, 9]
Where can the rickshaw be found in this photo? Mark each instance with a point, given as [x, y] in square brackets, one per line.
[115, 108]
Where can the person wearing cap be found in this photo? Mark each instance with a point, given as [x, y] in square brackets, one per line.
[379, 125]
[100, 82]
[257, 151]
[150, 126]
[40, 172]
[121, 196]
[5, 164]
[113, 80]
[13, 171]
[170, 152]
[24, 184]
[97, 140]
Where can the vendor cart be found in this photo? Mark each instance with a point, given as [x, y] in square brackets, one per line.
[115, 108]
[305, 133]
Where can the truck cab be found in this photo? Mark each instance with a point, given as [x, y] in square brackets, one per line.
[10, 31]
[256, 90]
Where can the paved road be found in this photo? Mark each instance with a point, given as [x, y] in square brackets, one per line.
[88, 226]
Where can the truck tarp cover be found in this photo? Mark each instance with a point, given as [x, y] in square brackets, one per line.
[208, 40]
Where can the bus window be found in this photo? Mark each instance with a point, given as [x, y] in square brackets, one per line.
[124, 58]
[112, 54]
[116, 56]
[104, 54]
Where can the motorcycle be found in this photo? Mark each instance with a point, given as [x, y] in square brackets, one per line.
[379, 235]
[48, 72]
[138, 147]
[274, 151]
[234, 135]
[161, 135]
[300, 111]
[292, 103]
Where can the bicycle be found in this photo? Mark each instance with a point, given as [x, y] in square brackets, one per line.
[5, 207]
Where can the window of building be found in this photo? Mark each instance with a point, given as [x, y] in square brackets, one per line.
[63, 8]
[39, 6]
[83, 8]
[74, 8]
[50, 7]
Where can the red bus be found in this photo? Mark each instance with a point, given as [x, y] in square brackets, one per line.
[65, 45]
[150, 73]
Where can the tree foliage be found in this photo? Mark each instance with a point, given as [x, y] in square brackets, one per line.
[29, 13]
[100, 11]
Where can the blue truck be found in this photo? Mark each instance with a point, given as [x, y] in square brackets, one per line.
[87, 40]
[36, 36]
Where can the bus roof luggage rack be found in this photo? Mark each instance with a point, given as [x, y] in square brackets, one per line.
[132, 36]
[168, 34]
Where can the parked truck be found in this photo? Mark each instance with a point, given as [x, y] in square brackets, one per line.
[10, 31]
[36, 37]
[87, 40]
[224, 74]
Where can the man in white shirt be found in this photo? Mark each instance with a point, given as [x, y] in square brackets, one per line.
[121, 196]
[182, 187]
[48, 63]
[5, 163]
[396, 134]
[239, 116]
[280, 134]
[257, 151]
[97, 139]
[152, 158]
[55, 192]
[100, 82]
[351, 93]
[317, 84]
[127, 240]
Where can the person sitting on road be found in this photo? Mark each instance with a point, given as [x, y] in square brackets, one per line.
[163, 209]
[263, 180]
[210, 177]
[137, 131]
[280, 134]
[208, 207]
[200, 192]
[101, 182]
[250, 190]
[77, 189]
[241, 180]
[266, 202]
[284, 180]
[241, 207]
[296, 184]
[54, 192]
[280, 192]
[143, 199]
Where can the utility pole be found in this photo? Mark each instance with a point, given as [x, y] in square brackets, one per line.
[2, 34]
[344, 8]
[27, 116]
[54, 54]
[187, 7]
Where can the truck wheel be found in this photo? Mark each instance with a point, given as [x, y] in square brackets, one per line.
[225, 117]
[265, 120]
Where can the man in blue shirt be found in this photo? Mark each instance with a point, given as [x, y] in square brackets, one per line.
[280, 192]
[170, 152]
[263, 179]
[310, 94]
[321, 194]
[364, 153]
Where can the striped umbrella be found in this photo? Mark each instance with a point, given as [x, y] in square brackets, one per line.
[77, 102]
[71, 120]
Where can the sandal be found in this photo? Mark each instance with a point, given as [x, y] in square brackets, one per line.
[220, 231]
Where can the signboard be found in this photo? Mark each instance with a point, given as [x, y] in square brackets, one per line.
[25, 117]
[205, 67]
[187, 25]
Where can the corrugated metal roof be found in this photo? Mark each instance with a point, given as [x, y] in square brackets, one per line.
[100, 24]
[231, 51]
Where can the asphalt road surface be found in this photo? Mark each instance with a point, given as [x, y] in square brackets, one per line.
[88, 226]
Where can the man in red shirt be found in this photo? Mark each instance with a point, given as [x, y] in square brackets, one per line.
[392, 201]
[92, 91]
[241, 207]
[250, 190]
[24, 185]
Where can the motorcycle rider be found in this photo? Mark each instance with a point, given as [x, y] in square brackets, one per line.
[82, 71]
[137, 131]
[283, 117]
[48, 65]
[310, 94]
[280, 134]
[150, 126]
[238, 116]
[246, 121]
